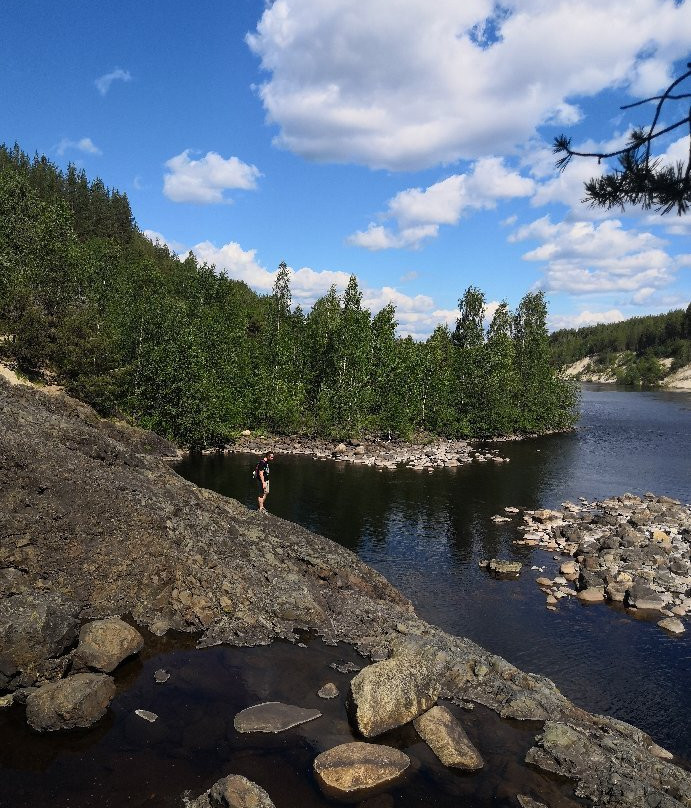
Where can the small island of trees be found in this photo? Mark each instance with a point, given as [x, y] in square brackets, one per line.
[174, 346]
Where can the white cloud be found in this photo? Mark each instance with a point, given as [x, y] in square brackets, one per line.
[159, 239]
[589, 258]
[584, 318]
[420, 211]
[103, 82]
[306, 284]
[418, 315]
[85, 145]
[378, 237]
[203, 181]
[234, 262]
[416, 85]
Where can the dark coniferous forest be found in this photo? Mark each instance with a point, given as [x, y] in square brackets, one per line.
[174, 346]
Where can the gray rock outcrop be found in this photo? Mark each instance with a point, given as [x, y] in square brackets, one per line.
[35, 629]
[78, 701]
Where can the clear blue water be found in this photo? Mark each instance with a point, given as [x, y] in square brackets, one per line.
[427, 532]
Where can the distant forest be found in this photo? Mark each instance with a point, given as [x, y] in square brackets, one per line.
[658, 336]
[172, 345]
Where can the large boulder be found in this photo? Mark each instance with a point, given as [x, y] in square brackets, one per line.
[104, 644]
[35, 627]
[447, 739]
[78, 701]
[234, 791]
[350, 769]
[390, 693]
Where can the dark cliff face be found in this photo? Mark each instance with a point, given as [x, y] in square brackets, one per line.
[93, 518]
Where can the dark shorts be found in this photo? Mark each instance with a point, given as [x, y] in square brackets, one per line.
[260, 488]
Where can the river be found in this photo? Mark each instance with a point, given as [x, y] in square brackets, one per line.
[426, 533]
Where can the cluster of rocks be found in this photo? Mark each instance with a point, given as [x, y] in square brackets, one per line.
[628, 549]
[83, 696]
[613, 764]
[94, 523]
[380, 453]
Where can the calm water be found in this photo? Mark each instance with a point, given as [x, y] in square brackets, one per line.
[427, 531]
[125, 761]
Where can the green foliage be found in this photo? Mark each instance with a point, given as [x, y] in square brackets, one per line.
[660, 335]
[131, 328]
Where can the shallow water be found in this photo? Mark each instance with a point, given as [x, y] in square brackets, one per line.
[126, 761]
[427, 532]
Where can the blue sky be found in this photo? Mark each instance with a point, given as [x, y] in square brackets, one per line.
[407, 143]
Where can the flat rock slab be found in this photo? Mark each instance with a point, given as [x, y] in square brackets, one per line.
[593, 594]
[273, 716]
[501, 567]
[78, 701]
[350, 768]
[672, 624]
[446, 737]
[104, 644]
[234, 791]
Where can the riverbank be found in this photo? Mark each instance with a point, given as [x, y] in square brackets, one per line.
[435, 453]
[591, 371]
[143, 543]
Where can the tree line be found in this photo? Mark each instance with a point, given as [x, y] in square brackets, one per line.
[657, 336]
[176, 347]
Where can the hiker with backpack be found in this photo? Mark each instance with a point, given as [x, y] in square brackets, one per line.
[261, 474]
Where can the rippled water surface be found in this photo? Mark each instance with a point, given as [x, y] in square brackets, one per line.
[427, 531]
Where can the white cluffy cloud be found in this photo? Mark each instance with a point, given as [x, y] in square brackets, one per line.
[103, 82]
[85, 145]
[413, 84]
[203, 181]
[588, 258]
[419, 212]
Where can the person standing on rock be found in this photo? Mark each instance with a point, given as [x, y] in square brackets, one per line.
[262, 475]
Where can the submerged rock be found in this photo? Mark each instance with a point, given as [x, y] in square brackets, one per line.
[234, 791]
[273, 716]
[672, 624]
[446, 737]
[350, 768]
[147, 715]
[501, 567]
[328, 691]
[78, 701]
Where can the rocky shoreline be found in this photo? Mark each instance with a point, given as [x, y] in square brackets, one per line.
[94, 526]
[628, 550]
[380, 453]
